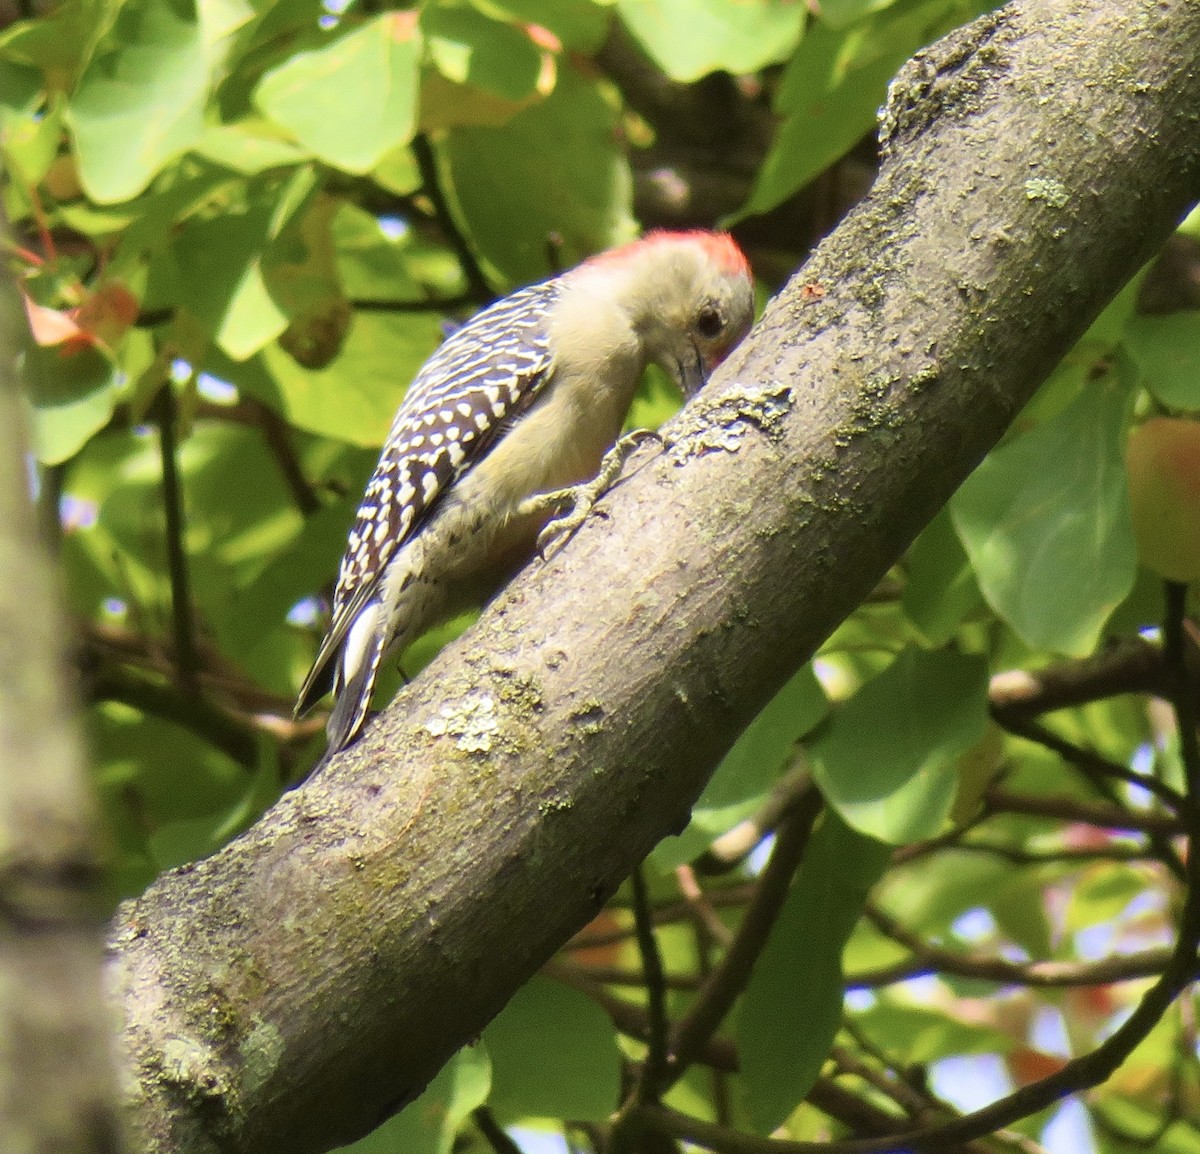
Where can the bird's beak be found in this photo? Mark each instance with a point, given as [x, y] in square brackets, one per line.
[693, 372]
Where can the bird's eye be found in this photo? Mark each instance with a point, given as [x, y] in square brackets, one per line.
[710, 323]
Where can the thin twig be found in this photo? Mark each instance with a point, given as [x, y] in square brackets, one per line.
[1018, 855]
[1101, 773]
[732, 847]
[705, 923]
[224, 731]
[186, 661]
[727, 981]
[49, 505]
[497, 1137]
[113, 643]
[930, 959]
[477, 283]
[278, 436]
[430, 305]
[703, 913]
[734, 895]
[917, 1106]
[1181, 694]
[1065, 808]
[654, 1069]
[1093, 763]
[108, 656]
[632, 1020]
[636, 978]
[720, 1055]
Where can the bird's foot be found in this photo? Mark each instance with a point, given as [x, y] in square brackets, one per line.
[575, 503]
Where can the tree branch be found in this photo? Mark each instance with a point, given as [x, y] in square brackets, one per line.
[288, 992]
[1131, 666]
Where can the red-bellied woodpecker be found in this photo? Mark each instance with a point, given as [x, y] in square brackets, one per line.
[521, 402]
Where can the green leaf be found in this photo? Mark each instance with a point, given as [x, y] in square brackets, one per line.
[831, 93]
[842, 13]
[581, 25]
[468, 48]
[353, 100]
[220, 266]
[219, 19]
[251, 146]
[582, 1082]
[355, 397]
[554, 169]
[1126, 1115]
[163, 816]
[370, 263]
[1045, 520]
[398, 172]
[20, 91]
[306, 562]
[888, 761]
[925, 1035]
[792, 1007]
[1108, 329]
[941, 591]
[381, 265]
[929, 901]
[29, 135]
[428, 1125]
[60, 42]
[239, 513]
[140, 101]
[71, 396]
[1102, 895]
[1019, 907]
[737, 787]
[689, 39]
[157, 216]
[1166, 350]
[202, 782]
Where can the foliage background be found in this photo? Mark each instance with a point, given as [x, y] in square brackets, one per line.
[240, 228]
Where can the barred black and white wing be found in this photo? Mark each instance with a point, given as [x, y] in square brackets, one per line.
[488, 371]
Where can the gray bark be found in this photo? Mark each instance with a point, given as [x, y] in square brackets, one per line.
[289, 992]
[57, 1089]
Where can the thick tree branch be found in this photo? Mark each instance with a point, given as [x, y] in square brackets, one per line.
[289, 992]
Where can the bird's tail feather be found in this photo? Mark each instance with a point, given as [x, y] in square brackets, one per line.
[355, 685]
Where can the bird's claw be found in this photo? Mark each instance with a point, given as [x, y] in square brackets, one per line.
[558, 531]
[579, 500]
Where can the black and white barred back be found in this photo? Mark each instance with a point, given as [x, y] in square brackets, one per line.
[487, 372]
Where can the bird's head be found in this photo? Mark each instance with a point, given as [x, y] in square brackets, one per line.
[690, 297]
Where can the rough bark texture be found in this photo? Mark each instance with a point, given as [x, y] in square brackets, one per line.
[57, 1090]
[289, 992]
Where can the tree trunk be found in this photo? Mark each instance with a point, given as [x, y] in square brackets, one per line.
[289, 992]
[57, 1092]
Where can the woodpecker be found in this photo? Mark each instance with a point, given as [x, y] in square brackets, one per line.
[519, 405]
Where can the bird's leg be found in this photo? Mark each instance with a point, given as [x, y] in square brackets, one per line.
[579, 499]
